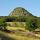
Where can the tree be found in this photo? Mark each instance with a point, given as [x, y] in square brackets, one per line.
[3, 23]
[33, 24]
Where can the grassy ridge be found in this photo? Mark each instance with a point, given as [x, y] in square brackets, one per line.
[17, 35]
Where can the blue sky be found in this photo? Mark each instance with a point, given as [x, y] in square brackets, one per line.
[6, 6]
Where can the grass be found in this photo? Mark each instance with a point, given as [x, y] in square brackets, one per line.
[3, 36]
[11, 36]
[14, 28]
[17, 35]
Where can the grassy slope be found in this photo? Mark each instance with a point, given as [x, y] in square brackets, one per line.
[14, 28]
[16, 36]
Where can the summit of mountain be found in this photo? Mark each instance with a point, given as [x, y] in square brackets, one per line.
[19, 11]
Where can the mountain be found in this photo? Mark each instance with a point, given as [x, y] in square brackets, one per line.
[19, 11]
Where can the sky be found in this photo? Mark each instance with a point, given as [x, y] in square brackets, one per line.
[6, 6]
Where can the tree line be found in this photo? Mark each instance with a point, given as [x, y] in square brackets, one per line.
[31, 22]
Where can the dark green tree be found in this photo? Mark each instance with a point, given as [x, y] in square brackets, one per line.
[3, 23]
[33, 25]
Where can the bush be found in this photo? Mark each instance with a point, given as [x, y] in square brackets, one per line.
[31, 24]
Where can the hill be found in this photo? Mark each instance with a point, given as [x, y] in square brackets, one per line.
[19, 11]
[19, 25]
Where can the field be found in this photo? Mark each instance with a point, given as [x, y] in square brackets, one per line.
[19, 34]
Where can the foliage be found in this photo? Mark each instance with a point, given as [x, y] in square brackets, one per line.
[31, 24]
[3, 23]
[38, 22]
[19, 11]
[19, 14]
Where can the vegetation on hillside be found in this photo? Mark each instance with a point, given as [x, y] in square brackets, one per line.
[19, 14]
[19, 25]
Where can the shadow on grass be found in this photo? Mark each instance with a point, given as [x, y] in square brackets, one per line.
[3, 37]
